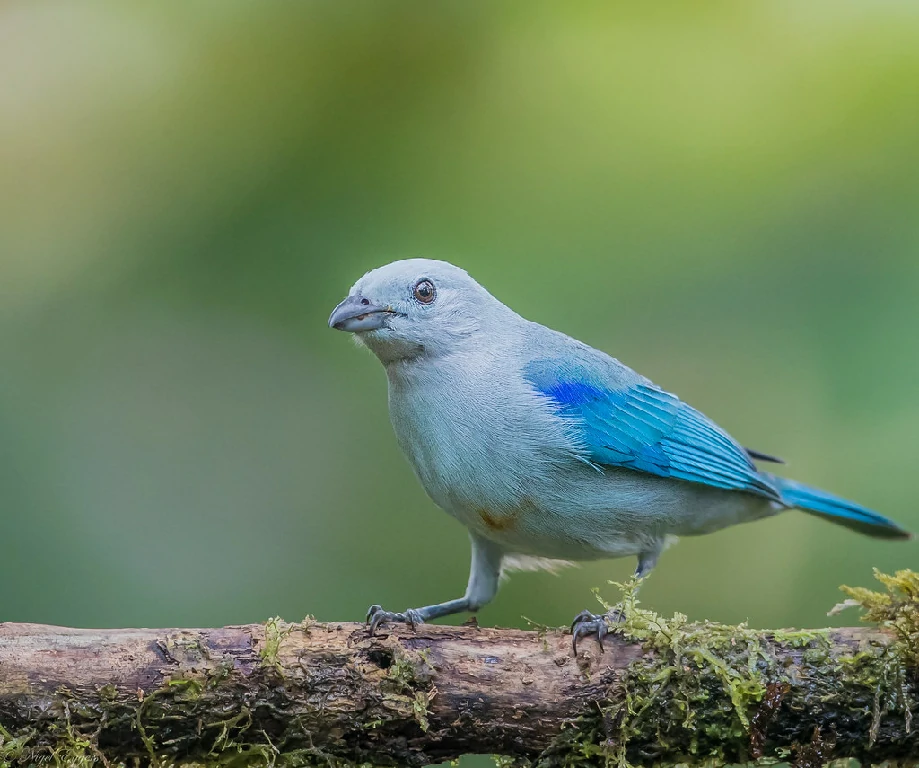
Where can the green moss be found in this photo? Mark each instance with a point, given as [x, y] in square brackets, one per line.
[275, 631]
[703, 693]
[501, 761]
[897, 608]
[688, 657]
[409, 680]
[76, 753]
[12, 746]
[401, 674]
[149, 743]
[74, 749]
[409, 684]
[708, 693]
[542, 631]
[689, 666]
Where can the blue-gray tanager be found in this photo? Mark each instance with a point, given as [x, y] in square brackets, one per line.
[545, 448]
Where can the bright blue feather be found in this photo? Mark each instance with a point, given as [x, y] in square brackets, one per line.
[838, 510]
[641, 427]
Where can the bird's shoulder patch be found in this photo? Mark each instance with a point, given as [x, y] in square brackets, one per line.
[626, 421]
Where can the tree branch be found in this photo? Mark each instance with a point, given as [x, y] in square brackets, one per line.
[315, 693]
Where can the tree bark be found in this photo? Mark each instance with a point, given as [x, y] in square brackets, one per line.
[315, 693]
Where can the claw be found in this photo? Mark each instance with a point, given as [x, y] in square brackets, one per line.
[377, 616]
[587, 623]
[413, 617]
[582, 617]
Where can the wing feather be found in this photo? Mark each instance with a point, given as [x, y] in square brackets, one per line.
[641, 427]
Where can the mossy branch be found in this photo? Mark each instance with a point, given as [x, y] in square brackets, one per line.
[665, 691]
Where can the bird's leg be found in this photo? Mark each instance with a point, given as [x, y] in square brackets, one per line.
[586, 623]
[484, 572]
[646, 563]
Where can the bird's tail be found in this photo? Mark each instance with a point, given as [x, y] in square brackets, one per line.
[837, 510]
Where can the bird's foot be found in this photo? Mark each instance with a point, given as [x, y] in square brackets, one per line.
[586, 624]
[377, 616]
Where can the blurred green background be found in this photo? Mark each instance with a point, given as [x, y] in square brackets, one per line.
[724, 196]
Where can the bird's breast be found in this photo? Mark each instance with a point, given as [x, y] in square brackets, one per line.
[475, 437]
[456, 456]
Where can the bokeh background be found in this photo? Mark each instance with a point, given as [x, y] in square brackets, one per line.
[722, 195]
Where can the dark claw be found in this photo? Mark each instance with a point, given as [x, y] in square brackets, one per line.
[581, 617]
[587, 623]
[377, 616]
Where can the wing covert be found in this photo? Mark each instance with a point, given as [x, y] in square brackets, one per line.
[638, 426]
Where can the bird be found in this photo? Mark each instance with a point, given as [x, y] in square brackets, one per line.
[546, 449]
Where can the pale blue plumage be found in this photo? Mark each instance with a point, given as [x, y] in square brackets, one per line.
[546, 448]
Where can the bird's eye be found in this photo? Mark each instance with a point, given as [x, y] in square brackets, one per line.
[424, 291]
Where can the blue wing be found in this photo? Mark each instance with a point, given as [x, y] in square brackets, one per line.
[634, 424]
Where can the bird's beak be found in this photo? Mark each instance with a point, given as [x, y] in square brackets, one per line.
[357, 314]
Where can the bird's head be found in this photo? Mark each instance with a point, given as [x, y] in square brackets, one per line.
[413, 308]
